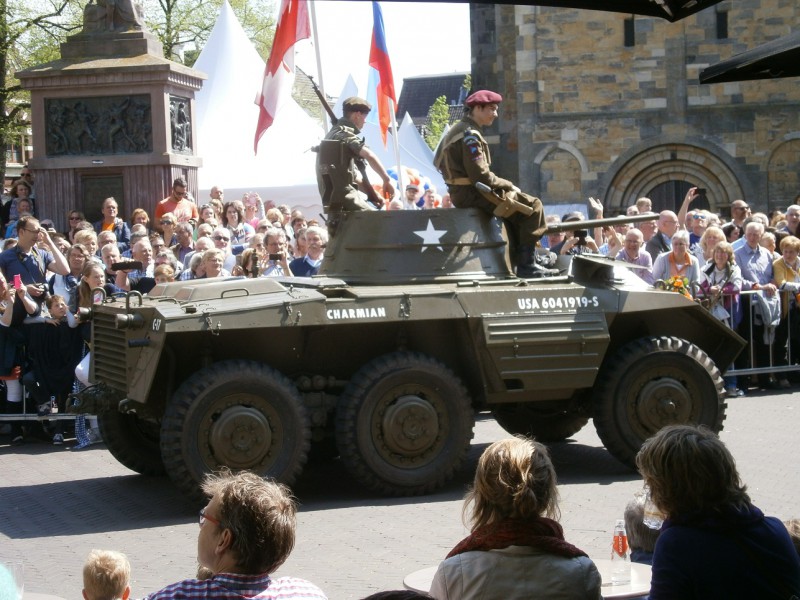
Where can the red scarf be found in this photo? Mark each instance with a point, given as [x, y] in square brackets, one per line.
[541, 533]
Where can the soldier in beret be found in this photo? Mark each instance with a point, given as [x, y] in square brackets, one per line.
[463, 159]
[337, 172]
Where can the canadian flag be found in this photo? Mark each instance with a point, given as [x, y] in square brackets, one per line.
[293, 26]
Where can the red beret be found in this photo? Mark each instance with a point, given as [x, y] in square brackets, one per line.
[483, 97]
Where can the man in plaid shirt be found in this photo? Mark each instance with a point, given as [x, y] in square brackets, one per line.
[247, 531]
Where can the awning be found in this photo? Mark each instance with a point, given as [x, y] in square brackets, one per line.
[778, 58]
[672, 10]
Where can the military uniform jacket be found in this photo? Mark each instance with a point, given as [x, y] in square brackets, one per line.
[463, 159]
[346, 133]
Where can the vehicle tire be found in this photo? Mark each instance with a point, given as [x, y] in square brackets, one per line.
[544, 426]
[404, 424]
[134, 442]
[651, 383]
[237, 414]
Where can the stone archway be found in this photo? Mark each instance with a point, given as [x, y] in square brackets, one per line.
[640, 172]
[783, 173]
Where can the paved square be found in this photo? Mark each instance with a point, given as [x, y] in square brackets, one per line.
[56, 505]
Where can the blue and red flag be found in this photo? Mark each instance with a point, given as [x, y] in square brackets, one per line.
[380, 86]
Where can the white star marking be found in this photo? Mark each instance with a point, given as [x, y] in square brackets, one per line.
[431, 237]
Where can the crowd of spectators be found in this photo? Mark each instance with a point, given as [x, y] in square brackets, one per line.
[754, 288]
[46, 273]
[752, 283]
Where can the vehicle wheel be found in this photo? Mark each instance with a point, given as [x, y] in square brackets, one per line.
[237, 414]
[132, 441]
[404, 424]
[545, 426]
[654, 382]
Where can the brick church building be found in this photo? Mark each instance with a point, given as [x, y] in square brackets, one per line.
[610, 105]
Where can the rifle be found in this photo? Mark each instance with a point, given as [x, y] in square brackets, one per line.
[364, 185]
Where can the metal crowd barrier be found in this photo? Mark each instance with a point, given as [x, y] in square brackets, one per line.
[29, 405]
[747, 304]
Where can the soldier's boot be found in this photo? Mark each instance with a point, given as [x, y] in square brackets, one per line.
[529, 267]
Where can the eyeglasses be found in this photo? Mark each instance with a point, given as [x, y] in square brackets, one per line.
[167, 223]
[31, 230]
[204, 517]
[222, 238]
[741, 208]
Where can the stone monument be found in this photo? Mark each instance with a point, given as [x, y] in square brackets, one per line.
[112, 117]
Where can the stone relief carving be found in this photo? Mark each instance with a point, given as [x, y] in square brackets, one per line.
[113, 15]
[180, 124]
[109, 125]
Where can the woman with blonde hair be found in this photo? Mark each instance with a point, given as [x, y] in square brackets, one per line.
[517, 547]
[704, 249]
[714, 542]
[720, 284]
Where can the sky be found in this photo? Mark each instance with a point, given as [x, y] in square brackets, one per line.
[423, 38]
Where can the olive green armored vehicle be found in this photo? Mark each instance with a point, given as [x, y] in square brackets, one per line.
[414, 324]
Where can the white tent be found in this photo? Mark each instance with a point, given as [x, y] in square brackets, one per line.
[226, 116]
[414, 152]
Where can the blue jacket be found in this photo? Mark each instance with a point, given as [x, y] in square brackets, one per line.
[121, 230]
[728, 554]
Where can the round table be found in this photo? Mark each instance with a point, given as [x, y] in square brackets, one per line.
[639, 585]
[420, 580]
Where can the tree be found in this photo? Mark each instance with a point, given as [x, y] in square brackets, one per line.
[183, 26]
[438, 119]
[30, 33]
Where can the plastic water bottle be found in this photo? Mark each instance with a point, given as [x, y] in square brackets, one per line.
[53, 405]
[620, 557]
[653, 517]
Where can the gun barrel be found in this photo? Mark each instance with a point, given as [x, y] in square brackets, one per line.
[592, 223]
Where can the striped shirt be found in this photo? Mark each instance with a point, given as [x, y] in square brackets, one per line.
[230, 586]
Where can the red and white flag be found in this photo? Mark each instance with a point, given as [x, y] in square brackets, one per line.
[293, 26]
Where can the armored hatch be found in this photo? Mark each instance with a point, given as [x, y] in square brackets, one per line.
[380, 247]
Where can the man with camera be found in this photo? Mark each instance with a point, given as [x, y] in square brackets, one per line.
[277, 264]
[34, 254]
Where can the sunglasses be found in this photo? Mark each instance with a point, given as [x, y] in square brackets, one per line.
[699, 217]
[167, 223]
[222, 238]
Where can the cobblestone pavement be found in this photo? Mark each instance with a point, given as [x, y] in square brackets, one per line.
[56, 505]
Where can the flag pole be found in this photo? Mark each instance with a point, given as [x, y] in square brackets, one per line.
[395, 141]
[315, 41]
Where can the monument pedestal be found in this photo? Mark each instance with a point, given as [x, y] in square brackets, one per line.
[112, 117]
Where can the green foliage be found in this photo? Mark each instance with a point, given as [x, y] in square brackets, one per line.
[183, 26]
[467, 85]
[438, 118]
